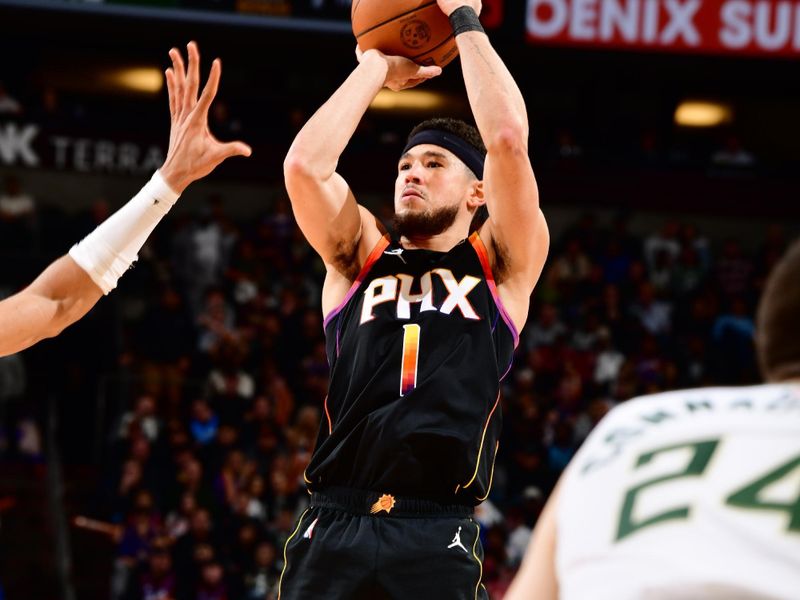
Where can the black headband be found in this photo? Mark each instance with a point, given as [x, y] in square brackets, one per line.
[469, 155]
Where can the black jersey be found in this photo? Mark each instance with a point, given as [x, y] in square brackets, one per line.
[417, 351]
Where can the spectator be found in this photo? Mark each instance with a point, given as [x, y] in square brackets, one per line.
[133, 550]
[204, 422]
[662, 272]
[734, 270]
[177, 521]
[688, 274]
[158, 581]
[518, 538]
[230, 388]
[588, 419]
[586, 334]
[261, 580]
[545, 329]
[693, 361]
[213, 240]
[653, 315]
[572, 266]
[664, 242]
[216, 321]
[734, 344]
[194, 548]
[191, 481]
[616, 262]
[164, 342]
[609, 361]
[212, 586]
[143, 416]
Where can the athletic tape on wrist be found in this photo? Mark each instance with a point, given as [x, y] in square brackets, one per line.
[465, 19]
[112, 248]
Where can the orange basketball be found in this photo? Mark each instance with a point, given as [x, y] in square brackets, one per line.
[416, 29]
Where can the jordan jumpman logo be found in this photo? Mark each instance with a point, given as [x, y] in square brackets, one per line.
[457, 541]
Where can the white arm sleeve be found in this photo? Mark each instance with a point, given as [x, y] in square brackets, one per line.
[110, 250]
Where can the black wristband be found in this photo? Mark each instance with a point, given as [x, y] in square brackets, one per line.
[463, 19]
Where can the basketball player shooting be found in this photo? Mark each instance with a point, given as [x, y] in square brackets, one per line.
[420, 331]
[689, 494]
[70, 286]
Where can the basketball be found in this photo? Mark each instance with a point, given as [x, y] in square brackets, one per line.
[416, 29]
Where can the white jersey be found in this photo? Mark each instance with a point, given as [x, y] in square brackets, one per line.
[686, 495]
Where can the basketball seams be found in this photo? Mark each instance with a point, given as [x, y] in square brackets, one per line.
[394, 18]
[434, 48]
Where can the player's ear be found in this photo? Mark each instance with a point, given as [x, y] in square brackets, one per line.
[475, 195]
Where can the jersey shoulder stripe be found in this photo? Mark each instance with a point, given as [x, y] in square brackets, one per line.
[373, 257]
[483, 257]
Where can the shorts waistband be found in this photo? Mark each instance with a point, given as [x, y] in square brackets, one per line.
[362, 502]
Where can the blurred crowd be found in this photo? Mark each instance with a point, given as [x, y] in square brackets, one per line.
[216, 339]
[223, 341]
[218, 343]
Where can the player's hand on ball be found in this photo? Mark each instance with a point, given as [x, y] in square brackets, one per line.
[401, 73]
[448, 6]
[193, 150]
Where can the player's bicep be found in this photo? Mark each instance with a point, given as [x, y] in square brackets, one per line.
[517, 224]
[326, 210]
[25, 318]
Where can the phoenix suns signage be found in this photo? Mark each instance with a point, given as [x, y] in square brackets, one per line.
[760, 27]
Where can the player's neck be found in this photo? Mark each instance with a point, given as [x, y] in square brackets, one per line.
[441, 242]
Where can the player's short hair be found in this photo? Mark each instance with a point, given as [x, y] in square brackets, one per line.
[467, 133]
[778, 319]
[457, 127]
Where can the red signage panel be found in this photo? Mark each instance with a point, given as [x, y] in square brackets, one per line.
[751, 27]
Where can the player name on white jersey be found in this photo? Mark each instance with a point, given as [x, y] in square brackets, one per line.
[691, 494]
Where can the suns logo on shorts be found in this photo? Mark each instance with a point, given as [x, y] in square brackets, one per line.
[385, 502]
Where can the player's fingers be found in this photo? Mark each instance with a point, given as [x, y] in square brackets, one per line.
[428, 72]
[410, 83]
[210, 89]
[236, 149]
[170, 76]
[179, 72]
[192, 76]
[178, 67]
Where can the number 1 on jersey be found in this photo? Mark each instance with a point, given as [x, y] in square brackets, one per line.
[408, 373]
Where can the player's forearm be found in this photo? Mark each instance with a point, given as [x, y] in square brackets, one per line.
[61, 295]
[496, 101]
[110, 250]
[317, 148]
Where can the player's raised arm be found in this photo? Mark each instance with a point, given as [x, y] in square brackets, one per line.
[323, 204]
[516, 228]
[71, 285]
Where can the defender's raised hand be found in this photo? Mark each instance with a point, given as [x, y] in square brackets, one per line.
[193, 150]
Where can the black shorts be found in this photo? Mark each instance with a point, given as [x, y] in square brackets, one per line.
[347, 546]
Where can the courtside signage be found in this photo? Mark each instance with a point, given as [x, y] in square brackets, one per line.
[761, 27]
